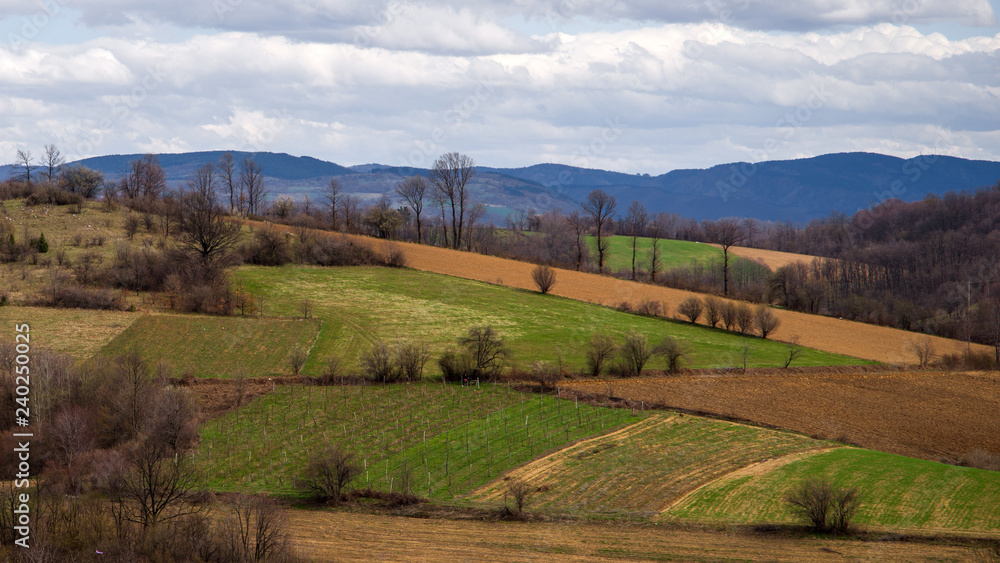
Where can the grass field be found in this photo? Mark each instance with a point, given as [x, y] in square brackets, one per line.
[924, 414]
[78, 332]
[217, 346]
[673, 253]
[898, 493]
[360, 305]
[451, 439]
[642, 469]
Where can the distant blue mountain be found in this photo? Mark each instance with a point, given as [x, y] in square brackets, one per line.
[790, 190]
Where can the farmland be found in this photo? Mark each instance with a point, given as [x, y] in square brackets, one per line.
[77, 332]
[930, 415]
[673, 253]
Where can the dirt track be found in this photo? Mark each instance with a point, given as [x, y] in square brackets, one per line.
[860, 340]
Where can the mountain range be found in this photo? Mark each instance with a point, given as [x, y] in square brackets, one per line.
[788, 190]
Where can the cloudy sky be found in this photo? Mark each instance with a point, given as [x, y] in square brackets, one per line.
[628, 85]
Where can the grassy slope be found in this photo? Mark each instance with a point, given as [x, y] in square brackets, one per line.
[440, 430]
[898, 492]
[360, 305]
[77, 332]
[673, 253]
[217, 346]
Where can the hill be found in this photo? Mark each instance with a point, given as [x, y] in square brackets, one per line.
[789, 190]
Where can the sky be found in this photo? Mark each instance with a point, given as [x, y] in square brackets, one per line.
[636, 86]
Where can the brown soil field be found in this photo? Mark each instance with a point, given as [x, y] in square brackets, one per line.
[770, 258]
[340, 536]
[930, 415]
[859, 340]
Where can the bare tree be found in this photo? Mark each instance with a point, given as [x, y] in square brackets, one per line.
[413, 190]
[726, 233]
[793, 351]
[544, 277]
[520, 492]
[156, 484]
[257, 530]
[600, 349]
[296, 360]
[476, 212]
[23, 163]
[713, 310]
[635, 352]
[826, 507]
[601, 207]
[691, 308]
[252, 184]
[488, 350]
[579, 226]
[143, 177]
[655, 231]
[924, 350]
[81, 180]
[351, 207]
[329, 473]
[674, 351]
[744, 317]
[333, 193]
[451, 174]
[203, 225]
[765, 320]
[226, 169]
[52, 161]
[411, 357]
[636, 221]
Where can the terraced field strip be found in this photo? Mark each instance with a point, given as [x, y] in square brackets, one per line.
[443, 440]
[363, 304]
[898, 493]
[208, 346]
[859, 340]
[77, 332]
[924, 414]
[342, 536]
[673, 253]
[773, 259]
[644, 468]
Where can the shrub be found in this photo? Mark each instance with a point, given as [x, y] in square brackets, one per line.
[520, 493]
[600, 349]
[765, 320]
[924, 350]
[546, 374]
[827, 508]
[455, 366]
[981, 459]
[410, 359]
[544, 278]
[296, 360]
[744, 318]
[328, 474]
[728, 314]
[652, 308]
[691, 308]
[394, 257]
[489, 353]
[634, 354]
[674, 351]
[377, 363]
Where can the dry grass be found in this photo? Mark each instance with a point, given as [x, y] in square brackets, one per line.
[342, 536]
[78, 332]
[929, 415]
[771, 258]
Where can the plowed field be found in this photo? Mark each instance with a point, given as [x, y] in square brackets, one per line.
[339, 536]
[881, 344]
[771, 258]
[929, 415]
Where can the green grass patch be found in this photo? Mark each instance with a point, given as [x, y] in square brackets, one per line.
[361, 305]
[77, 332]
[641, 470]
[461, 437]
[897, 492]
[208, 346]
[673, 253]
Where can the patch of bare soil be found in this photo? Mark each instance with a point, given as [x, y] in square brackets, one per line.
[925, 414]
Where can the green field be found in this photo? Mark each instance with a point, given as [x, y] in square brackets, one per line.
[897, 492]
[673, 253]
[77, 332]
[361, 305]
[217, 346]
[450, 438]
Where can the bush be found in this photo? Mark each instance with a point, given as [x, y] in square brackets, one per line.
[455, 366]
[744, 318]
[544, 278]
[77, 297]
[520, 493]
[634, 354]
[328, 474]
[981, 459]
[728, 314]
[765, 320]
[674, 351]
[691, 308]
[410, 360]
[652, 308]
[546, 374]
[377, 363]
[827, 508]
[489, 353]
[600, 349]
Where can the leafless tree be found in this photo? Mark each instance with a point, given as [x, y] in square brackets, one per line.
[600, 349]
[413, 190]
[601, 207]
[23, 163]
[744, 318]
[81, 180]
[634, 353]
[257, 530]
[143, 178]
[520, 492]
[674, 351]
[296, 360]
[765, 320]
[544, 277]
[451, 174]
[226, 169]
[156, 484]
[826, 507]
[488, 350]
[579, 226]
[635, 223]
[203, 225]
[691, 308]
[713, 310]
[333, 193]
[52, 161]
[726, 233]
[252, 184]
[793, 351]
[476, 212]
[329, 473]
[411, 357]
[377, 363]
[924, 350]
[655, 231]
[351, 207]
